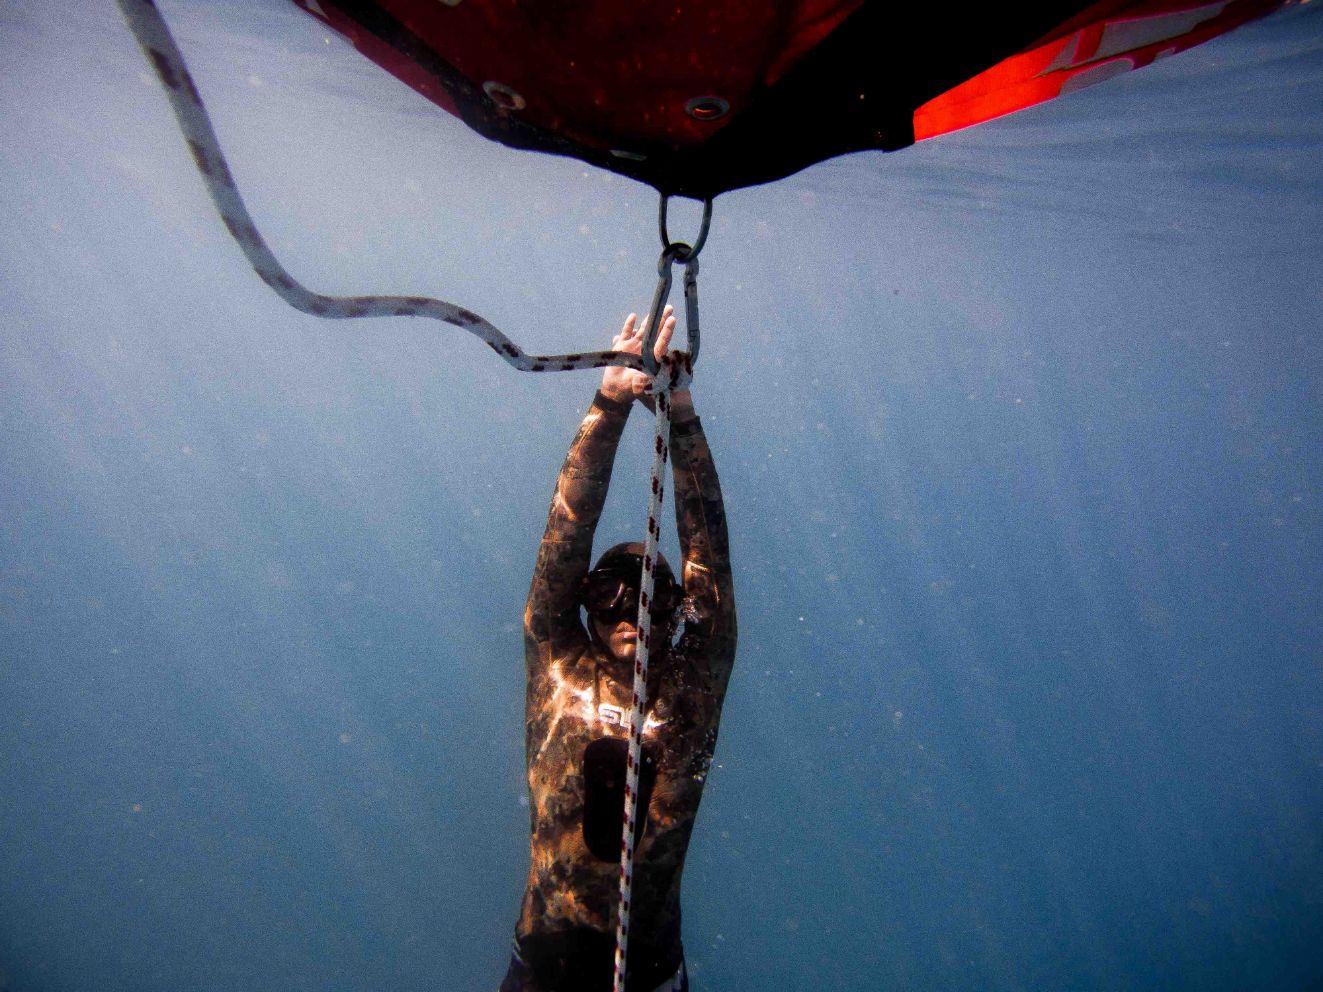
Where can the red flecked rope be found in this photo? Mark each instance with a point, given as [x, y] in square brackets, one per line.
[165, 58]
[674, 373]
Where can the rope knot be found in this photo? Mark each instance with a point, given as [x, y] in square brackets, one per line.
[676, 372]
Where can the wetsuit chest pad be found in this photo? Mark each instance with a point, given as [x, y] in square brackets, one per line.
[604, 794]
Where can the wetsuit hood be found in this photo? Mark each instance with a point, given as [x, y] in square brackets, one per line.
[628, 555]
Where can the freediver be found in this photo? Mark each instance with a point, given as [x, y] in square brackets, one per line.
[580, 688]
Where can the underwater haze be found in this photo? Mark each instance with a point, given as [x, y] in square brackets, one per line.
[1019, 432]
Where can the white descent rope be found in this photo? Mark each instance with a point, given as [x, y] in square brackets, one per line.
[159, 46]
[675, 373]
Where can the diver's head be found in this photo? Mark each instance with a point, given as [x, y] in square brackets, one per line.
[610, 596]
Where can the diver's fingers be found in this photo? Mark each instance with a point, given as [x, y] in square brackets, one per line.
[666, 312]
[664, 336]
[627, 331]
[643, 327]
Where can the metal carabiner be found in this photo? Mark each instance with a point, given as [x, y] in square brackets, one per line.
[691, 305]
[672, 252]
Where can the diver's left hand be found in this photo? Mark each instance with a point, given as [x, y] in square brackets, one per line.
[623, 384]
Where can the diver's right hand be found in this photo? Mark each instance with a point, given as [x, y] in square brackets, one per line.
[625, 385]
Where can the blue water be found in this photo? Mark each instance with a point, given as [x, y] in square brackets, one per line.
[1019, 433]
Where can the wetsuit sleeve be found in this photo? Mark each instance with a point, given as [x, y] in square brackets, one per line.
[551, 619]
[700, 517]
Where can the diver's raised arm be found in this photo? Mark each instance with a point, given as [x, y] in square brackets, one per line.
[551, 617]
[700, 517]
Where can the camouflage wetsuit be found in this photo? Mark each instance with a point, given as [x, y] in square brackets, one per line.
[579, 695]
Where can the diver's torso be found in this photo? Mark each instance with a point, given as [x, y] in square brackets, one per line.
[577, 710]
